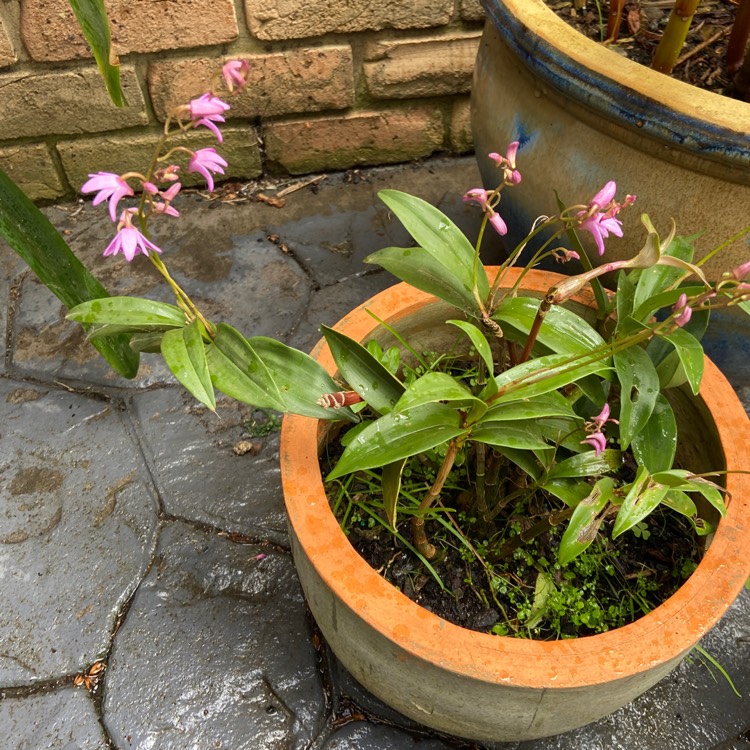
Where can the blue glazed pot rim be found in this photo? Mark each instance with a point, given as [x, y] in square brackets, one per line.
[616, 101]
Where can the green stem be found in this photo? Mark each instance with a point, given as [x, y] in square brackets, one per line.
[674, 35]
[421, 542]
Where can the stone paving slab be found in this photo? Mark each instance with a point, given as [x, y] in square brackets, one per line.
[77, 529]
[198, 475]
[64, 719]
[215, 652]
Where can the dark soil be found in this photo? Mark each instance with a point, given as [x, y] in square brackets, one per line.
[467, 601]
[702, 59]
[611, 584]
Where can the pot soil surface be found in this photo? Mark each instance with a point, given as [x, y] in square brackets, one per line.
[701, 61]
[610, 585]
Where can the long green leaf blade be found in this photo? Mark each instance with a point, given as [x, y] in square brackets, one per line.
[184, 352]
[238, 371]
[655, 445]
[639, 389]
[434, 387]
[520, 435]
[134, 312]
[585, 522]
[363, 372]
[551, 404]
[479, 341]
[32, 236]
[300, 380]
[417, 267]
[690, 352]
[438, 235]
[588, 464]
[542, 375]
[562, 331]
[92, 18]
[397, 436]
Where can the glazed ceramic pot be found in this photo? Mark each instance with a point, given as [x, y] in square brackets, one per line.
[486, 687]
[585, 114]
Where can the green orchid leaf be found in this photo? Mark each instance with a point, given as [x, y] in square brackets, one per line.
[588, 464]
[300, 380]
[146, 342]
[479, 342]
[397, 436]
[655, 280]
[625, 297]
[435, 387]
[666, 299]
[417, 267]
[585, 522]
[238, 371]
[391, 484]
[562, 331]
[184, 352]
[363, 372]
[93, 20]
[520, 435]
[690, 353]
[570, 491]
[682, 503]
[551, 404]
[641, 500]
[133, 312]
[524, 459]
[660, 350]
[687, 482]
[439, 236]
[655, 445]
[542, 375]
[31, 235]
[639, 389]
[102, 331]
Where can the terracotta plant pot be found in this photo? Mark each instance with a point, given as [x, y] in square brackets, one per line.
[586, 115]
[486, 687]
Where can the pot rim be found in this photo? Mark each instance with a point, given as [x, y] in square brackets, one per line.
[620, 89]
[664, 634]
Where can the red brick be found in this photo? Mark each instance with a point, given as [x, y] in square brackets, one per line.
[50, 31]
[310, 79]
[428, 66]
[285, 19]
[32, 168]
[7, 53]
[76, 101]
[382, 137]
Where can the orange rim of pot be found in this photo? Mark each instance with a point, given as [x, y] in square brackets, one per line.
[665, 633]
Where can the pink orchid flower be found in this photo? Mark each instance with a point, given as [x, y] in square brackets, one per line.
[683, 311]
[603, 223]
[482, 198]
[207, 110]
[235, 74]
[107, 186]
[596, 437]
[205, 161]
[128, 240]
[508, 163]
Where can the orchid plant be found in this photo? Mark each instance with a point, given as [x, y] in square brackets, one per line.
[558, 401]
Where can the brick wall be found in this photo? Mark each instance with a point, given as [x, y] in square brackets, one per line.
[334, 84]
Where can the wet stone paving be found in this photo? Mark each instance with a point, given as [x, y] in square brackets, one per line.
[148, 598]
